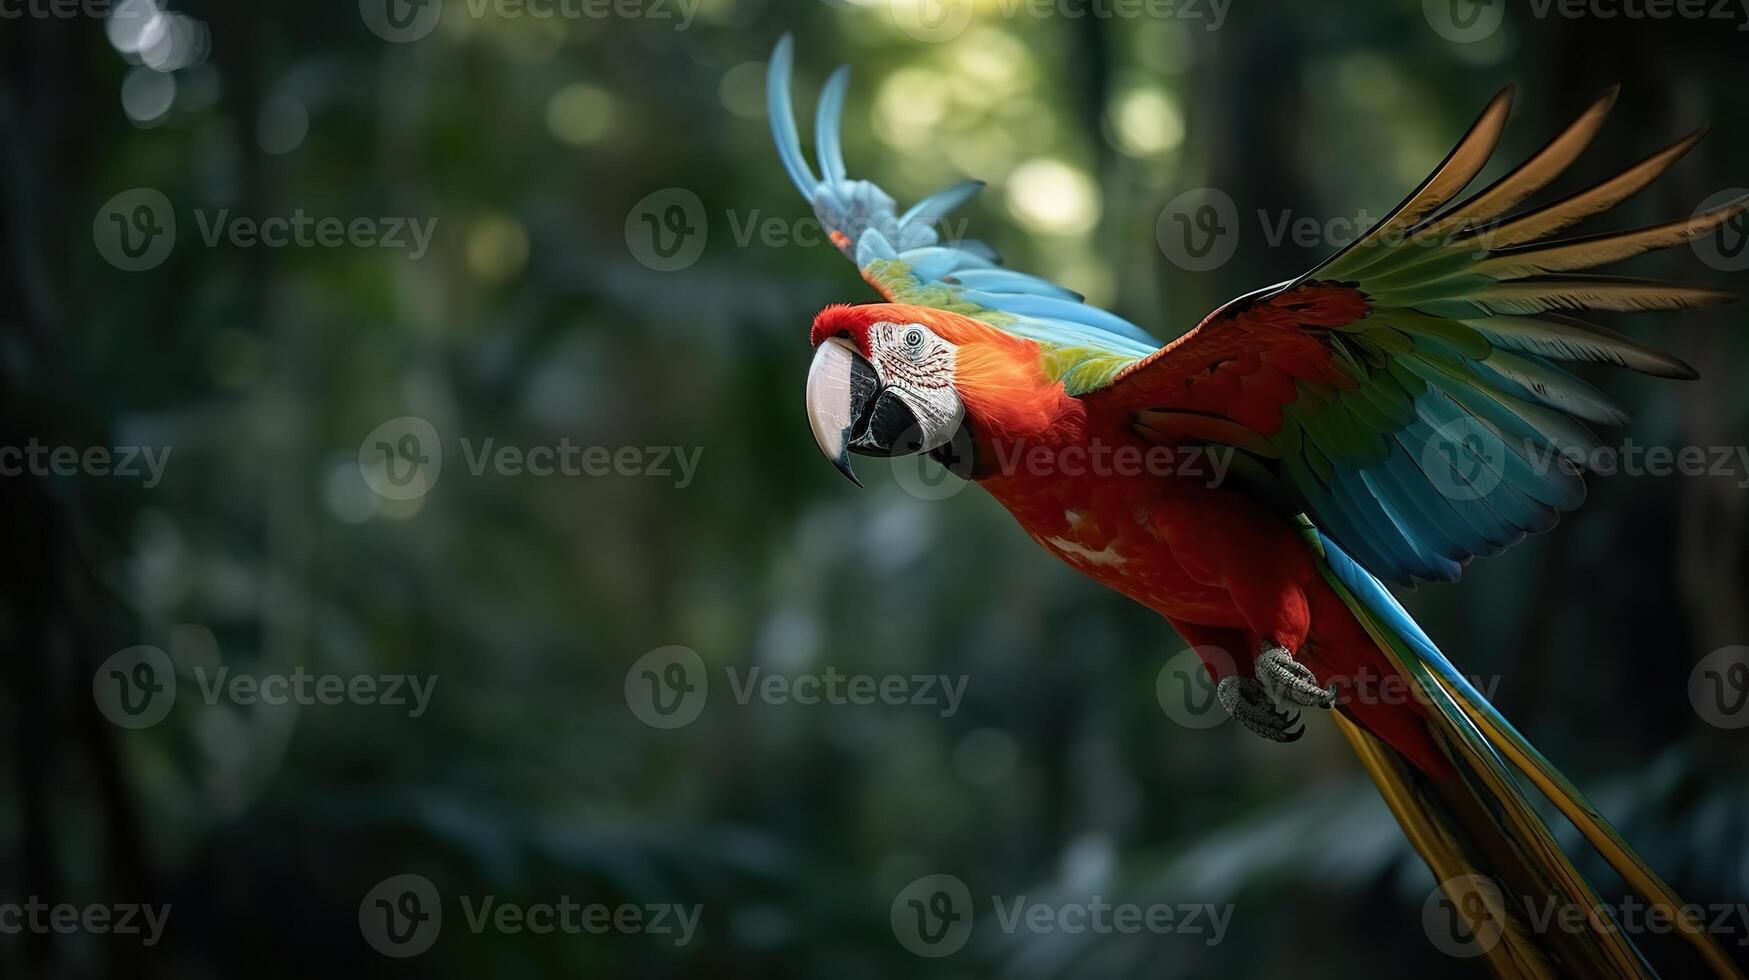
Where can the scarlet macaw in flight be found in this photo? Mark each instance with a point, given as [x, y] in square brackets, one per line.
[1393, 413]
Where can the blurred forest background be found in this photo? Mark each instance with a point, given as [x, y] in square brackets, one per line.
[533, 143]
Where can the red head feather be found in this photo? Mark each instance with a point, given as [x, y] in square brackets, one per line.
[998, 376]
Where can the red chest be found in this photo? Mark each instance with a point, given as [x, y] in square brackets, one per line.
[1099, 512]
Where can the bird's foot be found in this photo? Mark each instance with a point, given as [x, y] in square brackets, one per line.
[1249, 704]
[1289, 680]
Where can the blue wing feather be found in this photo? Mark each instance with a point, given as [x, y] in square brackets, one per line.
[1009, 281]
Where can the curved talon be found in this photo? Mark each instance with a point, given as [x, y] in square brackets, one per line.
[1247, 701]
[1289, 680]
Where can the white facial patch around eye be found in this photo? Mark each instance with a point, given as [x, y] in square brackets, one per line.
[911, 355]
[918, 366]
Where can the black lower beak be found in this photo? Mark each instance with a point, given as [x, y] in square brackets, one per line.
[887, 428]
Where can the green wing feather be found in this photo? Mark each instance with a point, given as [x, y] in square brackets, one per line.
[1429, 423]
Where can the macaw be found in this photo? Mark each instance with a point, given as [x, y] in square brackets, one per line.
[1392, 414]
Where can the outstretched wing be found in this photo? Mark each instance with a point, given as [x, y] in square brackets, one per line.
[1404, 391]
[907, 259]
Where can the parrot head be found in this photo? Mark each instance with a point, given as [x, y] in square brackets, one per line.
[894, 380]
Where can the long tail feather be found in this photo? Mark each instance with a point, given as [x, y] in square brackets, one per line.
[1479, 822]
[781, 110]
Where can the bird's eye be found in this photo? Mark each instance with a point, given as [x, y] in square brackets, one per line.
[914, 339]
